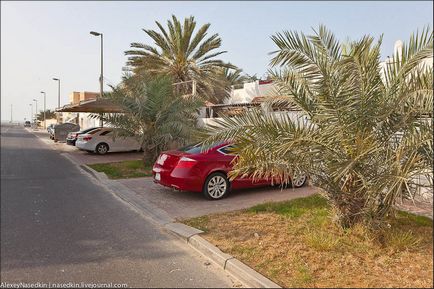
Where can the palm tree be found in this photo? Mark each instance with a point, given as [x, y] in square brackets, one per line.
[364, 130]
[181, 54]
[158, 117]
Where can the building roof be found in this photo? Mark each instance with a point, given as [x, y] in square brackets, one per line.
[96, 105]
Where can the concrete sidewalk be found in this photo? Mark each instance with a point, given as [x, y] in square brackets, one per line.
[184, 205]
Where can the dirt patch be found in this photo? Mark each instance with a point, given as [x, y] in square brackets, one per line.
[296, 244]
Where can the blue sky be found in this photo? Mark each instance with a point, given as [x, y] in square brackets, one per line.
[41, 40]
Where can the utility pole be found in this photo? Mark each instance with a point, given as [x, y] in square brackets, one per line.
[11, 113]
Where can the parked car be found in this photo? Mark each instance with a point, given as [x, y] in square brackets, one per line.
[199, 169]
[72, 136]
[103, 140]
[27, 124]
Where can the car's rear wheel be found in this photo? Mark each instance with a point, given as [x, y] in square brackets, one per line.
[216, 186]
[102, 149]
[299, 181]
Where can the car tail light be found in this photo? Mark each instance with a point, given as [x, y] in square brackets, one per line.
[87, 138]
[185, 162]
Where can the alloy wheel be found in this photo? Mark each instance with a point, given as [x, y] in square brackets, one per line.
[217, 187]
[299, 181]
[102, 149]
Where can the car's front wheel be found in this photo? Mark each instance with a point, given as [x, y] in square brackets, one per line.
[216, 186]
[102, 149]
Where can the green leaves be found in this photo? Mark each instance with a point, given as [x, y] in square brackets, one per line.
[156, 115]
[181, 54]
[360, 128]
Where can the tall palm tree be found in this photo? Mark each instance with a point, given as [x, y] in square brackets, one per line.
[364, 130]
[154, 113]
[182, 54]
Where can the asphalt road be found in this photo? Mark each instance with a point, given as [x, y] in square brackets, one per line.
[58, 226]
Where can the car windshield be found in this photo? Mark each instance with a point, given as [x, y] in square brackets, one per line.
[198, 148]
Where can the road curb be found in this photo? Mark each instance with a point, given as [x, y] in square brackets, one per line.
[190, 235]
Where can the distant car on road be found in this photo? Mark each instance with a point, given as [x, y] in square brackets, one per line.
[204, 169]
[72, 136]
[103, 140]
[27, 124]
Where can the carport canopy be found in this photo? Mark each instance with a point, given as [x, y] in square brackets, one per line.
[96, 105]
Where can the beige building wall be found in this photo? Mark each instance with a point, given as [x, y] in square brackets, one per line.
[82, 119]
[75, 97]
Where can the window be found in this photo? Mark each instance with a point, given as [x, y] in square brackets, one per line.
[197, 148]
[227, 150]
[94, 131]
[105, 132]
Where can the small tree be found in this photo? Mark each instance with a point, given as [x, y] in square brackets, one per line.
[368, 132]
[48, 115]
[158, 117]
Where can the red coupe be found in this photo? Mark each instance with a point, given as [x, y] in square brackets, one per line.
[198, 169]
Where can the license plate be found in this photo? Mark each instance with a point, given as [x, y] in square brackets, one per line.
[157, 176]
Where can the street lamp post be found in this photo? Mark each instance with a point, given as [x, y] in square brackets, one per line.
[101, 78]
[58, 96]
[58, 91]
[36, 112]
[45, 122]
[31, 112]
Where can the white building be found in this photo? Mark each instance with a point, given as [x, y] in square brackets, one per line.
[250, 90]
[397, 52]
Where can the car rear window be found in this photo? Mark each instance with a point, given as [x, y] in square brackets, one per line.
[227, 150]
[94, 131]
[106, 132]
[87, 130]
[198, 148]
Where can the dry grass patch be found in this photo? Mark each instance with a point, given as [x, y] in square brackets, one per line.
[124, 170]
[296, 244]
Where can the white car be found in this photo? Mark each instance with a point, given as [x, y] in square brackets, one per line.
[101, 141]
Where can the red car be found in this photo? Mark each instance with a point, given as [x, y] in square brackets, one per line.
[198, 169]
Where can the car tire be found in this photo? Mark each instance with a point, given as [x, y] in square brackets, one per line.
[216, 186]
[299, 182]
[102, 149]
